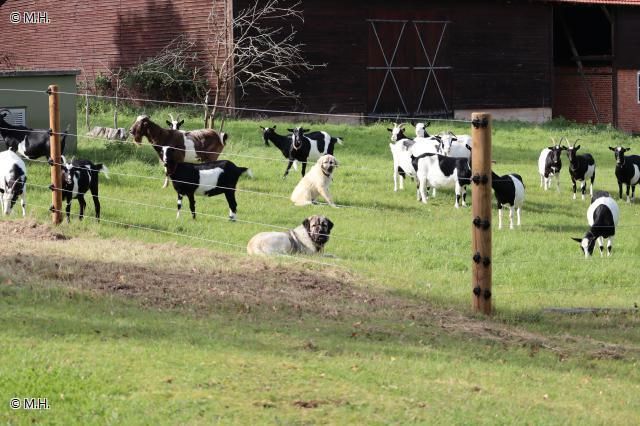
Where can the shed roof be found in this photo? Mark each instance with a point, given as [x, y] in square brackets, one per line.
[30, 73]
[615, 2]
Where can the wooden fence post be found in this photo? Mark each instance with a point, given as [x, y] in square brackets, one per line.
[481, 211]
[56, 175]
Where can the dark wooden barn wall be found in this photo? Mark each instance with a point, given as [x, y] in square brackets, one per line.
[627, 39]
[501, 53]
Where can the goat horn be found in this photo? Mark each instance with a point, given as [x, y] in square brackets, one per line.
[554, 140]
[171, 117]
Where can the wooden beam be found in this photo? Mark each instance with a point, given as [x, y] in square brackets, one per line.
[567, 33]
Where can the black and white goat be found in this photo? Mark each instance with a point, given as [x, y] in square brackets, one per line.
[13, 179]
[78, 177]
[455, 146]
[603, 216]
[581, 168]
[550, 164]
[442, 172]
[627, 171]
[212, 178]
[309, 147]
[397, 132]
[30, 143]
[509, 190]
[282, 142]
[174, 124]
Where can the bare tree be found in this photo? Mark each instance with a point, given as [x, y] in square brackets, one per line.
[254, 50]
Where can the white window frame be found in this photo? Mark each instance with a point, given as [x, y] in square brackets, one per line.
[638, 87]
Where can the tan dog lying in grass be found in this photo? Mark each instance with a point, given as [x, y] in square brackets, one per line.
[316, 182]
[308, 238]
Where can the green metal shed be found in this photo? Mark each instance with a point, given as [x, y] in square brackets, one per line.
[31, 109]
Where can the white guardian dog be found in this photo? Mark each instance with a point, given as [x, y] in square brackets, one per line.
[316, 183]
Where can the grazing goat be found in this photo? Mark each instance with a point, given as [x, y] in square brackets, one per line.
[581, 168]
[627, 171]
[603, 216]
[309, 147]
[13, 180]
[212, 178]
[442, 172]
[78, 177]
[509, 190]
[190, 147]
[174, 124]
[550, 164]
[30, 143]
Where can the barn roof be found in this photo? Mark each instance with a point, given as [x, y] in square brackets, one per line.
[617, 2]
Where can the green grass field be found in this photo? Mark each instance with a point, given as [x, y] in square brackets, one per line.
[386, 335]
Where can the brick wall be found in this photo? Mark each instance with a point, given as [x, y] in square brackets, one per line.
[571, 99]
[96, 35]
[628, 106]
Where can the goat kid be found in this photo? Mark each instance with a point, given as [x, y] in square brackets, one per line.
[13, 180]
[211, 178]
[190, 147]
[550, 164]
[581, 168]
[509, 190]
[30, 143]
[627, 171]
[603, 216]
[78, 177]
[309, 147]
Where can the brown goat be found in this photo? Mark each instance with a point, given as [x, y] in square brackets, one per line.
[190, 147]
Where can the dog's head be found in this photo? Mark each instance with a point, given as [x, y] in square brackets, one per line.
[318, 227]
[327, 163]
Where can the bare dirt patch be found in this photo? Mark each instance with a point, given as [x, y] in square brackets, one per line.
[169, 276]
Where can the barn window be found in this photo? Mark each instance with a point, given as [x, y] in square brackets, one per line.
[16, 116]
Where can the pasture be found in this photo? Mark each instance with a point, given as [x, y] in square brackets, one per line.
[143, 318]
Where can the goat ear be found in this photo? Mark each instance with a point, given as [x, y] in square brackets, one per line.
[180, 123]
[391, 130]
[612, 148]
[304, 130]
[577, 147]
[427, 124]
[627, 149]
[579, 240]
[307, 224]
[168, 122]
[290, 130]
